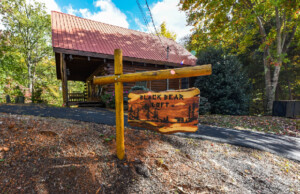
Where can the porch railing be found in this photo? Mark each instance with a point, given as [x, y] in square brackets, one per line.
[77, 97]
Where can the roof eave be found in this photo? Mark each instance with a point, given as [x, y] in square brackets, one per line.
[107, 56]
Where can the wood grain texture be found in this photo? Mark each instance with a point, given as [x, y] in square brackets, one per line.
[119, 106]
[165, 112]
[64, 79]
[194, 71]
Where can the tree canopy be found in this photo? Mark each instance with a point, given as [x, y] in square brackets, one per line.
[239, 25]
[165, 32]
[28, 31]
[26, 61]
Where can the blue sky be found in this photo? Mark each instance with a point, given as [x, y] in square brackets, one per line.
[126, 13]
[129, 8]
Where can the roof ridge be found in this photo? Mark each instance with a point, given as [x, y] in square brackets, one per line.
[106, 23]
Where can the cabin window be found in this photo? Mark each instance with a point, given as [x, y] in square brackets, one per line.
[143, 83]
[184, 83]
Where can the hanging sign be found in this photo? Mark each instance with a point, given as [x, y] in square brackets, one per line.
[165, 112]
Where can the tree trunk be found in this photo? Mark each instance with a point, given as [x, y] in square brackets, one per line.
[290, 90]
[272, 81]
[277, 93]
[282, 44]
[270, 85]
[267, 70]
[289, 83]
[30, 84]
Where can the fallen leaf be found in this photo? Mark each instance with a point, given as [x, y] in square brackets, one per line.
[5, 149]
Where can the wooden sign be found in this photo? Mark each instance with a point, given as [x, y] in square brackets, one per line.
[165, 112]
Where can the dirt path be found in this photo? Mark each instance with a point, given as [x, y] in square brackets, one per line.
[286, 146]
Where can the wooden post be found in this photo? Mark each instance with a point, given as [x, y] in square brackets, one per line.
[63, 74]
[168, 84]
[180, 83]
[119, 105]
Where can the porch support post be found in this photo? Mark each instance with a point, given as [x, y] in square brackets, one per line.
[119, 105]
[168, 84]
[63, 73]
[179, 83]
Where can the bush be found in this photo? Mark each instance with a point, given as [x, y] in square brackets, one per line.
[227, 89]
[37, 95]
[17, 91]
[204, 107]
[108, 100]
[136, 88]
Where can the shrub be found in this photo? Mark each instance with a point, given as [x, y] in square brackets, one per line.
[17, 91]
[227, 89]
[135, 88]
[204, 107]
[37, 95]
[108, 100]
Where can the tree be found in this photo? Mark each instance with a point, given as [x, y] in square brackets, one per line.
[165, 32]
[29, 29]
[227, 89]
[11, 67]
[239, 24]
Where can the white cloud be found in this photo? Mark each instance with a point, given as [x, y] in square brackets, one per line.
[108, 13]
[168, 11]
[142, 27]
[70, 10]
[50, 5]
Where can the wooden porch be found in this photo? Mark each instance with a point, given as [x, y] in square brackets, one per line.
[82, 53]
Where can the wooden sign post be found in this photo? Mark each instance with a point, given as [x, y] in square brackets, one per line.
[119, 105]
[119, 78]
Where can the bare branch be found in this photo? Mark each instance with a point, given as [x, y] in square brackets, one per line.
[261, 29]
[289, 40]
[278, 29]
[284, 33]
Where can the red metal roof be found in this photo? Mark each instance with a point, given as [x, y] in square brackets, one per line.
[79, 34]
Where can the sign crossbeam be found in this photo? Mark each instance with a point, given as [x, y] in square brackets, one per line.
[155, 75]
[119, 78]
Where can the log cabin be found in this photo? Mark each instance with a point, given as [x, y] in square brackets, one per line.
[85, 48]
